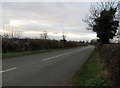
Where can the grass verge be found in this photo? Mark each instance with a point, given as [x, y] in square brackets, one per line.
[91, 73]
[16, 54]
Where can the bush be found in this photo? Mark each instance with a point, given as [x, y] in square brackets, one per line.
[110, 55]
[17, 45]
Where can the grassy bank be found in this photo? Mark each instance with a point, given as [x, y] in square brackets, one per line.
[16, 54]
[92, 73]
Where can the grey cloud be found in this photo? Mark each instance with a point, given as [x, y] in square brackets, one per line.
[65, 14]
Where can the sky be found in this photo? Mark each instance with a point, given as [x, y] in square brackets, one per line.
[32, 18]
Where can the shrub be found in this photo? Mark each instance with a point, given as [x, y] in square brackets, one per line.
[17, 45]
[110, 55]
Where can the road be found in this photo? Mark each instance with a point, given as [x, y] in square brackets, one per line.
[45, 69]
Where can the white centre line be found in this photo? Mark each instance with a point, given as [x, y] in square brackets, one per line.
[61, 55]
[8, 70]
[55, 57]
[42, 60]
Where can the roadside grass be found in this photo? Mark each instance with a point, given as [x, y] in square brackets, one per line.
[16, 54]
[92, 73]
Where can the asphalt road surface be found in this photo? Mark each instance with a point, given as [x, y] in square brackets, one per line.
[46, 69]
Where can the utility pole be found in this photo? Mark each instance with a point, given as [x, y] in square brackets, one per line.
[64, 36]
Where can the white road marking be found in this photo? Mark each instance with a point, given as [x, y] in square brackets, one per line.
[8, 70]
[44, 60]
[55, 57]
[62, 54]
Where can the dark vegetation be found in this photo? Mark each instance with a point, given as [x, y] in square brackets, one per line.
[101, 70]
[20, 45]
[92, 74]
[102, 20]
[110, 56]
[106, 25]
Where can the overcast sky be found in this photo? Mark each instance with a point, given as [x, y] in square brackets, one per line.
[32, 18]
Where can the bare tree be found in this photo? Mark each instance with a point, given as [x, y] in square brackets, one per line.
[5, 32]
[96, 9]
[103, 20]
[11, 32]
[17, 32]
[44, 35]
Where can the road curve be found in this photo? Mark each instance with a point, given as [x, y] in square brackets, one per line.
[46, 69]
